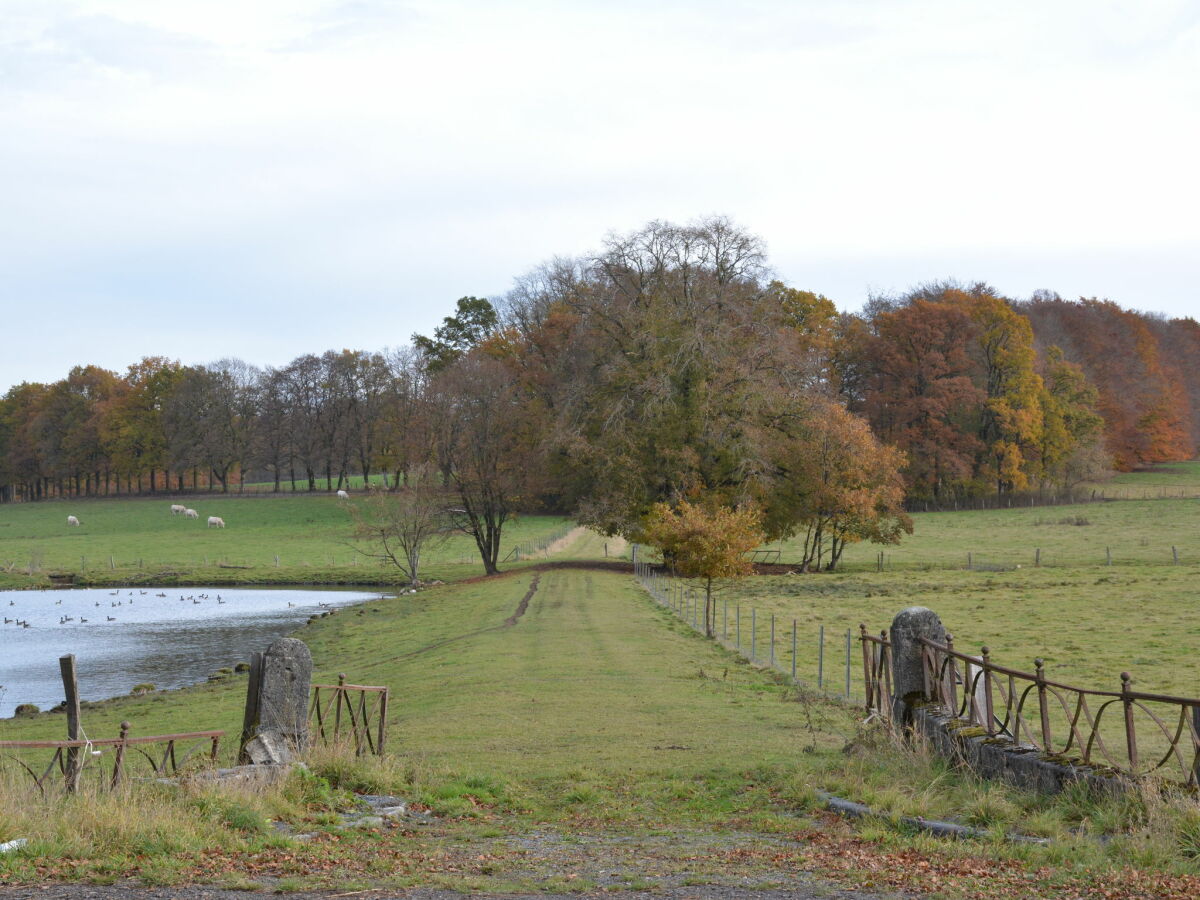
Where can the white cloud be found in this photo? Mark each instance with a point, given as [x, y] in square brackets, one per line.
[278, 159]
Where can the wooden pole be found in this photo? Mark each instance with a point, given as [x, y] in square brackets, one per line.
[66, 665]
[383, 712]
[119, 762]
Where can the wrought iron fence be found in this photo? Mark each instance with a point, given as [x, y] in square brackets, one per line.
[350, 712]
[110, 758]
[1130, 732]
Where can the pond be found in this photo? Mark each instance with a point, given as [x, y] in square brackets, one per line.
[168, 637]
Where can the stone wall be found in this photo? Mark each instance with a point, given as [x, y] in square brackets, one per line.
[1000, 758]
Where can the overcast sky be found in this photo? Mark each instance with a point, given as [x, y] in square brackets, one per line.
[265, 178]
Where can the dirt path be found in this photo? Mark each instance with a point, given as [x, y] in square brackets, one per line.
[813, 891]
[565, 541]
[524, 604]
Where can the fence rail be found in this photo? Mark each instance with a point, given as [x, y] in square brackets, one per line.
[350, 711]
[109, 757]
[1131, 732]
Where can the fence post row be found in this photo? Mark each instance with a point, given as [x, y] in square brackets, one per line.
[686, 603]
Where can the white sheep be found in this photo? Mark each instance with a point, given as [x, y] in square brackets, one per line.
[342, 495]
[71, 520]
[190, 514]
[177, 509]
[216, 522]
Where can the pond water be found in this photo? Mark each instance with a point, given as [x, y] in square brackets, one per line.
[168, 637]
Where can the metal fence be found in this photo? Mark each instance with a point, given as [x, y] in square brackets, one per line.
[1131, 732]
[822, 659]
[534, 546]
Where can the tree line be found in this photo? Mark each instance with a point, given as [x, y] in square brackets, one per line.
[668, 367]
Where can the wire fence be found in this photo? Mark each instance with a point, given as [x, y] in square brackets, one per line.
[535, 546]
[931, 557]
[823, 659]
[1071, 497]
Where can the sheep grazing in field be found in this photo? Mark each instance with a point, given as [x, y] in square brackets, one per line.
[342, 495]
[71, 520]
[190, 514]
[216, 522]
[178, 509]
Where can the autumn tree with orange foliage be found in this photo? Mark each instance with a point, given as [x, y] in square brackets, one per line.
[1143, 398]
[704, 541]
[920, 395]
[671, 367]
[953, 378]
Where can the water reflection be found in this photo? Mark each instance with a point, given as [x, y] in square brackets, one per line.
[168, 637]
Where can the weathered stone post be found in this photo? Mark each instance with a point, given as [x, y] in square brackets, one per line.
[908, 666]
[276, 720]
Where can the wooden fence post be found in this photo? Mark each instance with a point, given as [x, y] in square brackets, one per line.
[383, 711]
[119, 761]
[66, 665]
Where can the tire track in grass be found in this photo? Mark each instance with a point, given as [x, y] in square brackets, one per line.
[511, 621]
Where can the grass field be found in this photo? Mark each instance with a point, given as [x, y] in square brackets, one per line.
[595, 707]
[596, 742]
[599, 724]
[1133, 532]
[278, 539]
[1178, 480]
[1088, 625]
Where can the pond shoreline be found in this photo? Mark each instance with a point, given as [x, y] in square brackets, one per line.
[169, 636]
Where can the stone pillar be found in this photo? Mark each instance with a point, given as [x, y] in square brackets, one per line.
[277, 703]
[908, 668]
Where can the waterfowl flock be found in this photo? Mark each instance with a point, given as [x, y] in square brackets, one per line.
[119, 600]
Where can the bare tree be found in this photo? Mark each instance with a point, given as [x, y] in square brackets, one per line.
[484, 446]
[271, 445]
[397, 527]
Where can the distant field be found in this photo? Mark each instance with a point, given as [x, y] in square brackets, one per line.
[1088, 625]
[277, 539]
[1180, 479]
[1088, 619]
[1134, 532]
[352, 482]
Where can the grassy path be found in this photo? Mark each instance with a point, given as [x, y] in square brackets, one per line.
[538, 672]
[590, 677]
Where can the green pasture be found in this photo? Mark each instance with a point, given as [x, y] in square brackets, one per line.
[267, 539]
[593, 695]
[595, 741]
[1088, 619]
[322, 484]
[1088, 626]
[1131, 532]
[1165, 480]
